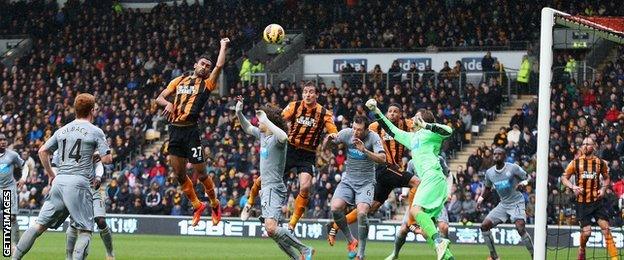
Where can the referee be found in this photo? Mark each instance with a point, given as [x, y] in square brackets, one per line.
[589, 190]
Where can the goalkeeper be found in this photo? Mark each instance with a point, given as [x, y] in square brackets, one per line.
[424, 142]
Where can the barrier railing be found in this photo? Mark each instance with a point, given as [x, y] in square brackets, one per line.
[506, 79]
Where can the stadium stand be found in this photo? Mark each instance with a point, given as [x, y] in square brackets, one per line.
[126, 57]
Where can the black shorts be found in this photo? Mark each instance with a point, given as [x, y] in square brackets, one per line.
[300, 160]
[185, 142]
[596, 210]
[388, 180]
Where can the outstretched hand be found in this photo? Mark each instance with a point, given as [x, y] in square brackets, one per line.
[239, 104]
[371, 104]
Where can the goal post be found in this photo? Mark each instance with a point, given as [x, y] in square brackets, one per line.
[612, 29]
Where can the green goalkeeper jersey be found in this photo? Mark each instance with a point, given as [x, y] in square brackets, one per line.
[424, 144]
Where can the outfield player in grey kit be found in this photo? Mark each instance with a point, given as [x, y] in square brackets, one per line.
[71, 189]
[357, 186]
[11, 163]
[99, 210]
[273, 146]
[505, 178]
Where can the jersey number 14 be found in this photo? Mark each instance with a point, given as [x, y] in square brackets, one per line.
[74, 152]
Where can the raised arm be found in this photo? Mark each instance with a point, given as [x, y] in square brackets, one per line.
[245, 125]
[214, 75]
[403, 137]
[282, 137]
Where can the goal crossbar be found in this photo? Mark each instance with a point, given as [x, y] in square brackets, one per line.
[610, 28]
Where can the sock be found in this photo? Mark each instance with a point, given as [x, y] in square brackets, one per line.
[255, 189]
[284, 235]
[526, 239]
[489, 241]
[351, 218]
[399, 241]
[341, 221]
[26, 241]
[15, 235]
[428, 227]
[301, 202]
[410, 196]
[187, 188]
[362, 234]
[81, 250]
[290, 251]
[209, 188]
[107, 239]
[71, 235]
[611, 249]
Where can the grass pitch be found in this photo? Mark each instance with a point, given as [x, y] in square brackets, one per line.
[51, 245]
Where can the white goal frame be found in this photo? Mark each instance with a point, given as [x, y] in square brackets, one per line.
[543, 121]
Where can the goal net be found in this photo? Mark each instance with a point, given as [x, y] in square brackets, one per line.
[557, 233]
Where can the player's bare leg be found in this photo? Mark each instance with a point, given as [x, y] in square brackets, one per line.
[255, 189]
[606, 232]
[179, 168]
[585, 234]
[209, 188]
[301, 202]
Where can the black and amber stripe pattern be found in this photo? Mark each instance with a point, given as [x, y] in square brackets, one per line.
[587, 172]
[191, 94]
[394, 150]
[307, 124]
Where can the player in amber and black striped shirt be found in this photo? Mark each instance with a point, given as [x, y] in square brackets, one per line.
[308, 121]
[190, 96]
[590, 190]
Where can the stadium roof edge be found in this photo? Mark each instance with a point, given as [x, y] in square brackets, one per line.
[586, 25]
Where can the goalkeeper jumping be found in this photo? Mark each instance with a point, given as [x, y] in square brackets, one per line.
[424, 142]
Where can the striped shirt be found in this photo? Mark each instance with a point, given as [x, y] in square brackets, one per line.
[307, 124]
[191, 94]
[587, 171]
[394, 150]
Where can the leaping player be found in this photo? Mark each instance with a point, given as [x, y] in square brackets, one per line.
[191, 94]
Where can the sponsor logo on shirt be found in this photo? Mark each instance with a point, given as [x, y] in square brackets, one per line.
[5, 168]
[307, 121]
[184, 89]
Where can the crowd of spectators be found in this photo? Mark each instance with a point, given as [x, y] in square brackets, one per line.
[127, 56]
[578, 109]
